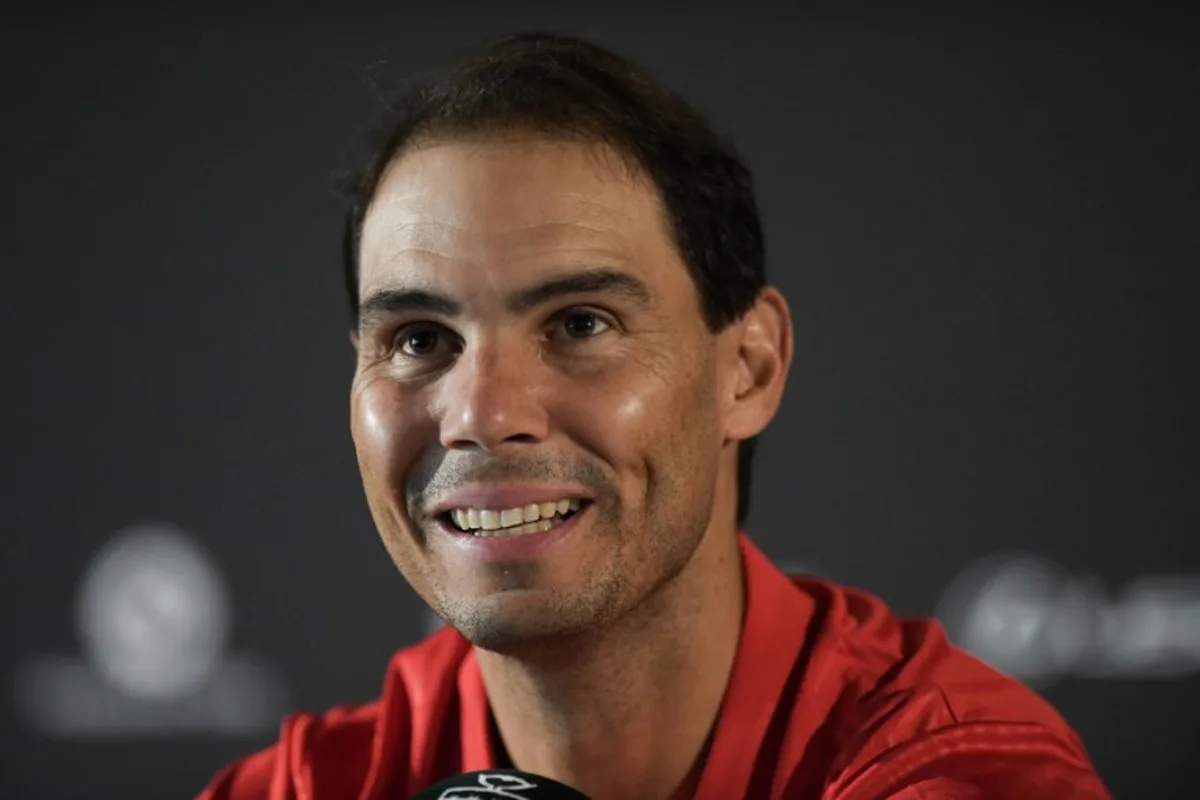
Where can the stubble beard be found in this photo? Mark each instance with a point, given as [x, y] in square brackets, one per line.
[523, 612]
[547, 621]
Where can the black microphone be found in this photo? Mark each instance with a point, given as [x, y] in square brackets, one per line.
[499, 784]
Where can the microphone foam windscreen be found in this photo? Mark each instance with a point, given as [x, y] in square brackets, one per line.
[499, 784]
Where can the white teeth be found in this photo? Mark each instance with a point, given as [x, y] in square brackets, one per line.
[530, 518]
[540, 526]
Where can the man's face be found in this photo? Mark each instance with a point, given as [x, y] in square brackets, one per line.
[534, 406]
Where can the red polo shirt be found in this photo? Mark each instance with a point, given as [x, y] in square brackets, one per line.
[831, 697]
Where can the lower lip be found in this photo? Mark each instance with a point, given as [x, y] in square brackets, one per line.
[520, 547]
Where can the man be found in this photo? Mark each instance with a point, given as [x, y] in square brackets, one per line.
[565, 348]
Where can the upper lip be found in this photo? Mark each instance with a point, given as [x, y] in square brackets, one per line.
[501, 496]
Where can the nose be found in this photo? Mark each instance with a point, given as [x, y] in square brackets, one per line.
[491, 397]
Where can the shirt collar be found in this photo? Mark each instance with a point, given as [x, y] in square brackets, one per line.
[767, 652]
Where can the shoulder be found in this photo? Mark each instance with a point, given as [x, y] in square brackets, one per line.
[273, 773]
[971, 760]
[332, 753]
[908, 714]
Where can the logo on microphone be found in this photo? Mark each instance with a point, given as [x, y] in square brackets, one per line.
[491, 785]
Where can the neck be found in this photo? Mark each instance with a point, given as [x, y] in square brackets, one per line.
[643, 693]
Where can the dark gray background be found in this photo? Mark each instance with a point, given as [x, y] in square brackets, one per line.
[985, 223]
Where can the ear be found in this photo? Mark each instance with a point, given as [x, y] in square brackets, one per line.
[760, 351]
[354, 339]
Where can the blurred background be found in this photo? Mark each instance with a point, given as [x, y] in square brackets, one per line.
[985, 222]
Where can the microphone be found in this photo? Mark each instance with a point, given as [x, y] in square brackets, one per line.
[499, 784]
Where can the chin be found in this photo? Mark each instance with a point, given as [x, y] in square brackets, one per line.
[509, 634]
[509, 624]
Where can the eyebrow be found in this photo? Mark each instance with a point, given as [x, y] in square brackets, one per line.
[591, 281]
[389, 302]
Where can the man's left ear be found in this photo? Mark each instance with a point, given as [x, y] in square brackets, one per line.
[762, 345]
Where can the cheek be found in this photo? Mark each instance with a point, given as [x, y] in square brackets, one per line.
[612, 412]
[638, 414]
[383, 429]
[631, 411]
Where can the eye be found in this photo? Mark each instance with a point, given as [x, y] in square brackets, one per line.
[582, 324]
[422, 340]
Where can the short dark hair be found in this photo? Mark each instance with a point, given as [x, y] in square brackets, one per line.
[565, 86]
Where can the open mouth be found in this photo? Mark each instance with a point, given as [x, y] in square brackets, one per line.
[519, 521]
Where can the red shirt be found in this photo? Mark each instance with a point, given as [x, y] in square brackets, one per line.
[830, 697]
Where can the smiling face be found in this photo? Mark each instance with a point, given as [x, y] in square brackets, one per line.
[531, 350]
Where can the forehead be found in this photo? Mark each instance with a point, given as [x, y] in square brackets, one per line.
[511, 203]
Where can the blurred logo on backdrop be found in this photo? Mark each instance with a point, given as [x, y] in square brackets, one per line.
[153, 618]
[1031, 618]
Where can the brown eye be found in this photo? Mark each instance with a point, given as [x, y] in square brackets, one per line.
[421, 340]
[583, 325]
